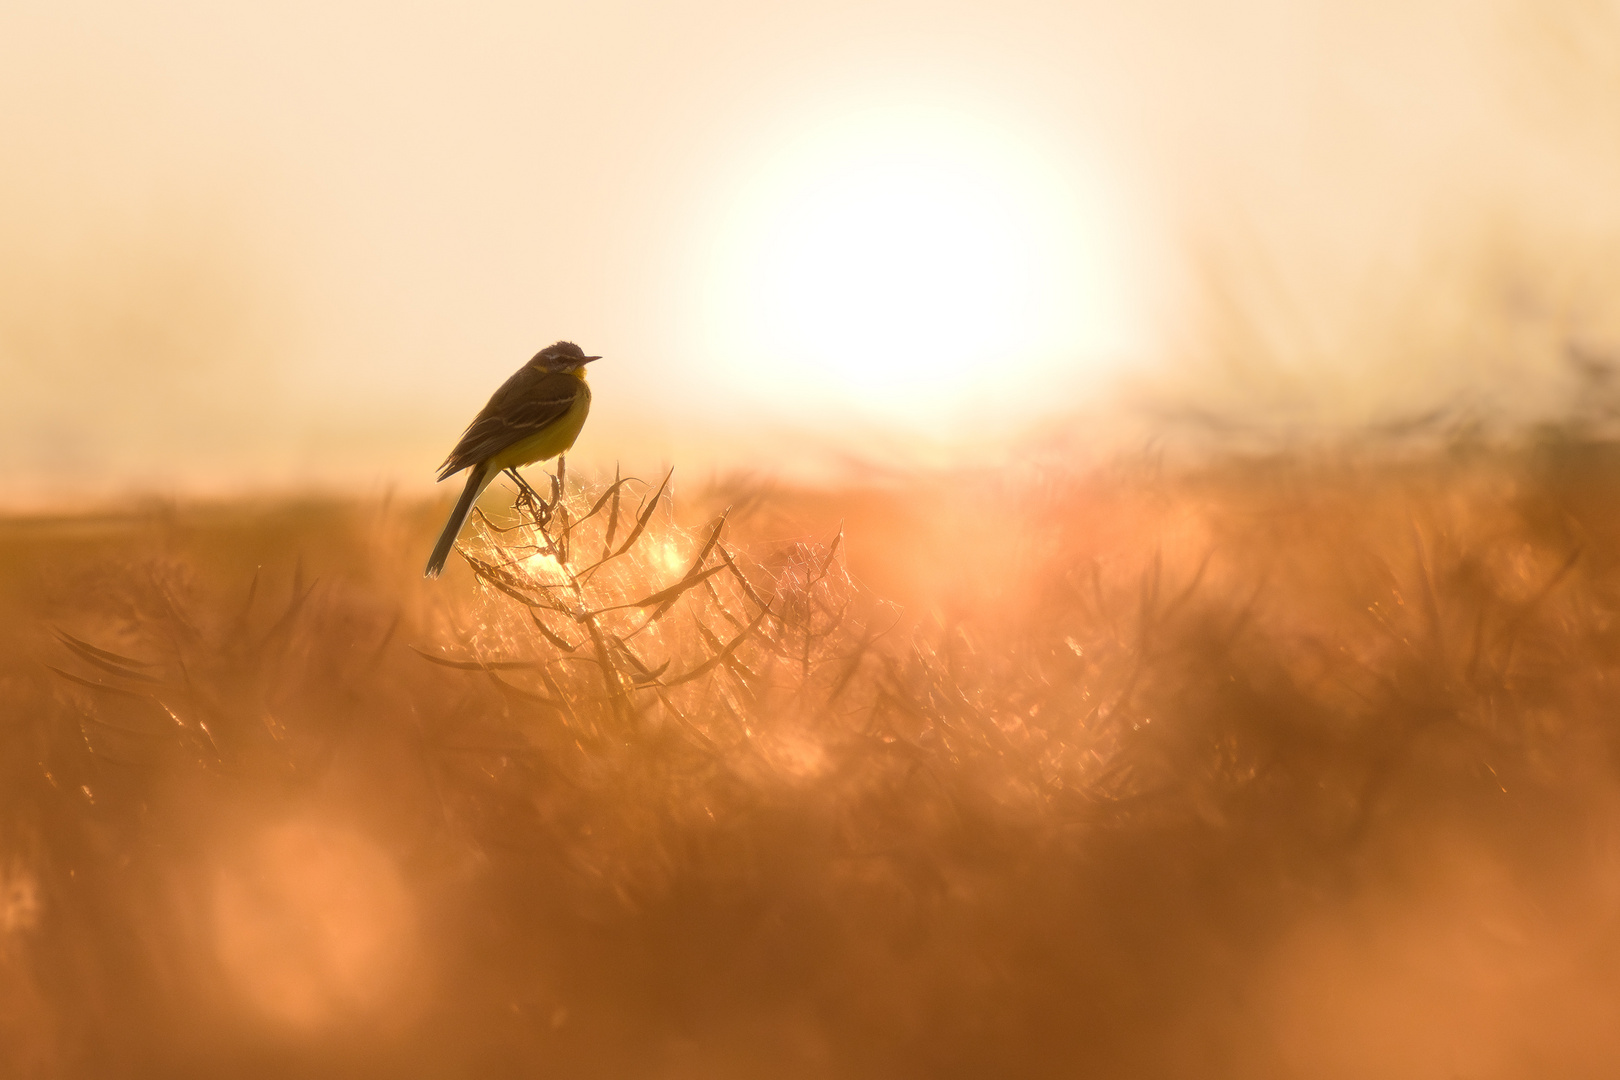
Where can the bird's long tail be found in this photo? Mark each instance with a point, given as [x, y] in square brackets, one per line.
[477, 481]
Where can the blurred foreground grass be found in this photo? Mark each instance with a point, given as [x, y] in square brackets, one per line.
[1259, 769]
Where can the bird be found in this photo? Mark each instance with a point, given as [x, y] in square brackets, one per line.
[535, 415]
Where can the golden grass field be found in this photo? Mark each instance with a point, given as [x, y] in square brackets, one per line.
[1267, 767]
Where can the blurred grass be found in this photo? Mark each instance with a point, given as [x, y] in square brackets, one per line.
[1294, 766]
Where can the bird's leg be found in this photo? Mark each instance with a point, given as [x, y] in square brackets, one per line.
[524, 490]
[537, 505]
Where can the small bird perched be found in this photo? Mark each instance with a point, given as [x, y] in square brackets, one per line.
[535, 415]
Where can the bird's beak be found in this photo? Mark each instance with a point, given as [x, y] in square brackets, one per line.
[588, 359]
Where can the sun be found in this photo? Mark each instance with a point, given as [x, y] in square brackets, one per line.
[909, 264]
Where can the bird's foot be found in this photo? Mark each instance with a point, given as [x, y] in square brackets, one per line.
[530, 497]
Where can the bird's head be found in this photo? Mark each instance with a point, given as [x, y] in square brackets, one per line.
[563, 356]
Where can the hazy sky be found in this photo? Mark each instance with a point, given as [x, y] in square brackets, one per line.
[304, 243]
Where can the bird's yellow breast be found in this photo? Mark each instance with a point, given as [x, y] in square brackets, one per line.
[551, 440]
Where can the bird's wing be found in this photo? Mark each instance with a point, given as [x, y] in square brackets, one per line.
[525, 404]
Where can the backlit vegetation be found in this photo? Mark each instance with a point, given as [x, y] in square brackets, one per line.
[1260, 768]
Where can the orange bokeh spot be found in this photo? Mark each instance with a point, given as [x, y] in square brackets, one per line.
[313, 925]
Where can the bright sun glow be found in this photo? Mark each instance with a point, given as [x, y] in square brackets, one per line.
[913, 264]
